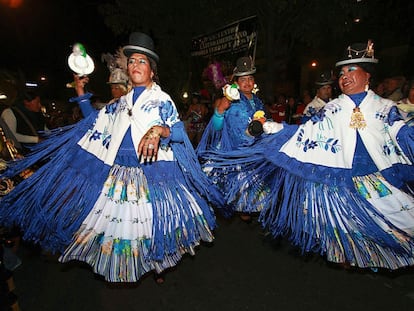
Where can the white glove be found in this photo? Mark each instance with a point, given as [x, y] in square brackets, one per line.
[271, 127]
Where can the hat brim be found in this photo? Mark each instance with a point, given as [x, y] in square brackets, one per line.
[131, 49]
[81, 65]
[245, 73]
[117, 82]
[324, 83]
[356, 61]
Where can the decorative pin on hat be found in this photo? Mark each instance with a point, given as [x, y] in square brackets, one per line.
[359, 53]
[79, 61]
[140, 43]
[244, 67]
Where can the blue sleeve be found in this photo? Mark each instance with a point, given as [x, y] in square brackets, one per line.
[176, 135]
[405, 139]
[177, 132]
[217, 120]
[85, 104]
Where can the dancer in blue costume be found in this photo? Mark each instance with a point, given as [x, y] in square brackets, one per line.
[227, 129]
[341, 184]
[122, 189]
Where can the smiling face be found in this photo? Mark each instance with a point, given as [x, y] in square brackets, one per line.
[246, 85]
[353, 79]
[139, 70]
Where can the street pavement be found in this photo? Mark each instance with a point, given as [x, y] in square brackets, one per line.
[243, 269]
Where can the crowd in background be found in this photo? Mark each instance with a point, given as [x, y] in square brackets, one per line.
[294, 108]
[198, 109]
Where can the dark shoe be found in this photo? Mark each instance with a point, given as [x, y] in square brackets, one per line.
[246, 218]
[159, 278]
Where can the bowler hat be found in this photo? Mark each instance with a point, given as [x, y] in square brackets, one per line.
[140, 43]
[118, 76]
[358, 53]
[244, 67]
[324, 78]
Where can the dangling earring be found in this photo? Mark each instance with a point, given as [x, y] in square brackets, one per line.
[367, 85]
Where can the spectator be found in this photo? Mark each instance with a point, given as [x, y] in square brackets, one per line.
[196, 115]
[277, 110]
[26, 119]
[393, 88]
[406, 105]
[323, 95]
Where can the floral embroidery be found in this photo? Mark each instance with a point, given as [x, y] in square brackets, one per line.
[389, 146]
[328, 144]
[106, 138]
[95, 135]
[106, 141]
[380, 115]
[394, 115]
[111, 108]
[122, 246]
[150, 105]
[116, 220]
[166, 110]
[317, 116]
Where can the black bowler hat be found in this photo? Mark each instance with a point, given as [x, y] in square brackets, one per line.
[140, 43]
[358, 53]
[244, 67]
[255, 128]
[324, 78]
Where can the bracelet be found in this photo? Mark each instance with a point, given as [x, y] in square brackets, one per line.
[153, 133]
[217, 114]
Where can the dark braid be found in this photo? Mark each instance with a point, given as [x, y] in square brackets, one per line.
[153, 65]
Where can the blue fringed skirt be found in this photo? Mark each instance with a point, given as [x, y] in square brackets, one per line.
[341, 223]
[123, 220]
[122, 238]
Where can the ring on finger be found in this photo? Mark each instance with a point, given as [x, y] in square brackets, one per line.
[150, 146]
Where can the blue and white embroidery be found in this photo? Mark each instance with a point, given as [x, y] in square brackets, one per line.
[111, 108]
[96, 135]
[327, 144]
[167, 111]
[151, 104]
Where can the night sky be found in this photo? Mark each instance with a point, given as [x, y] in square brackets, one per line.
[38, 36]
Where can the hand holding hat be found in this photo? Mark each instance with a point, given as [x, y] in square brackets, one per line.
[79, 61]
[255, 127]
[231, 92]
